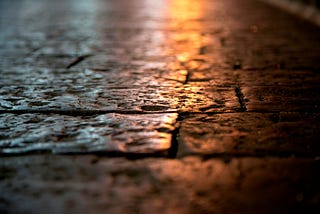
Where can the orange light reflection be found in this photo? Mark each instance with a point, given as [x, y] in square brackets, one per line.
[185, 40]
[185, 21]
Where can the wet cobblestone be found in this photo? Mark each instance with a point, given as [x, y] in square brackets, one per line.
[109, 133]
[282, 98]
[93, 97]
[170, 106]
[251, 134]
[189, 185]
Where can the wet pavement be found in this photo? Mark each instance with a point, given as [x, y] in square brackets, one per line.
[158, 107]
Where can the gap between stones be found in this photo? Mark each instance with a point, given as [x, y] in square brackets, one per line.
[77, 61]
[241, 99]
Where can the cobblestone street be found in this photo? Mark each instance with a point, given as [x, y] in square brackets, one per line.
[143, 106]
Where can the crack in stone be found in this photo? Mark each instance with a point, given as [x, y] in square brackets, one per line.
[188, 75]
[241, 99]
[77, 61]
[173, 150]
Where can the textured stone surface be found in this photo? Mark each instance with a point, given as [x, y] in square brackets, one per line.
[279, 77]
[149, 80]
[76, 184]
[113, 133]
[112, 72]
[269, 98]
[126, 98]
[251, 134]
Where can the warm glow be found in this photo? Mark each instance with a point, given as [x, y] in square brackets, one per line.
[185, 9]
[186, 39]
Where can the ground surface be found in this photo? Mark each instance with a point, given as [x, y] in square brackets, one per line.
[158, 107]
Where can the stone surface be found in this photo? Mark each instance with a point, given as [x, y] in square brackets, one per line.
[269, 98]
[251, 134]
[108, 71]
[234, 83]
[108, 133]
[126, 98]
[278, 77]
[74, 184]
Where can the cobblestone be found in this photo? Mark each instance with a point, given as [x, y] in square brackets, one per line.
[189, 185]
[126, 98]
[251, 134]
[282, 98]
[110, 133]
[170, 106]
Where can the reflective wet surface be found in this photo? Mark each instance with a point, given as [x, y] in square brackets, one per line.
[189, 185]
[216, 99]
[141, 57]
[79, 134]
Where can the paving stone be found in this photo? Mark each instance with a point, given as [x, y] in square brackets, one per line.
[260, 57]
[275, 98]
[204, 97]
[15, 63]
[113, 76]
[108, 76]
[111, 72]
[191, 185]
[60, 48]
[278, 77]
[96, 97]
[248, 78]
[215, 76]
[250, 134]
[71, 134]
[120, 61]
[258, 43]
